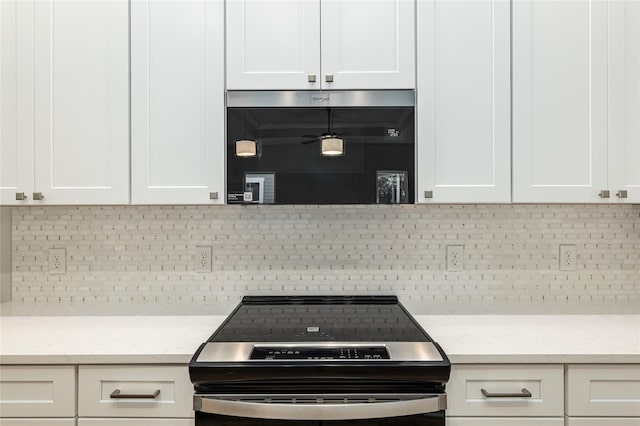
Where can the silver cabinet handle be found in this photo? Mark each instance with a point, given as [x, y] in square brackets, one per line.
[604, 193]
[319, 410]
[213, 195]
[329, 78]
[524, 394]
[116, 394]
[21, 196]
[38, 196]
[428, 194]
[311, 78]
[622, 193]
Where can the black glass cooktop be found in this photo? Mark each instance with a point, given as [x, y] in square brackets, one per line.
[320, 319]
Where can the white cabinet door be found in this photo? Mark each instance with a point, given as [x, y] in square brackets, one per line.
[505, 421]
[16, 101]
[559, 100]
[82, 101]
[624, 100]
[110, 391]
[177, 101]
[603, 390]
[368, 44]
[603, 421]
[463, 104]
[475, 390]
[37, 422]
[273, 44]
[134, 422]
[37, 391]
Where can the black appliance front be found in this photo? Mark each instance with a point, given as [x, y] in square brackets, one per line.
[320, 360]
[294, 160]
[431, 419]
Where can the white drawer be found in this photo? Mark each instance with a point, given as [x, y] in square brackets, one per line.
[136, 422]
[38, 391]
[545, 383]
[38, 422]
[98, 386]
[603, 421]
[505, 421]
[603, 390]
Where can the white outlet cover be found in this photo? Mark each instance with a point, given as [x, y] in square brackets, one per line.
[203, 259]
[455, 258]
[568, 257]
[57, 261]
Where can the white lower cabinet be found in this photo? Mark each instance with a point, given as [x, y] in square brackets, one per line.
[136, 422]
[505, 395]
[506, 391]
[603, 395]
[505, 421]
[603, 421]
[37, 422]
[134, 391]
[28, 391]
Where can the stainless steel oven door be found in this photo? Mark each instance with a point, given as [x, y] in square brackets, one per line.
[322, 408]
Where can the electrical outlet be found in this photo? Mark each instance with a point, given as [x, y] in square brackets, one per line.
[568, 257]
[454, 258]
[57, 261]
[203, 259]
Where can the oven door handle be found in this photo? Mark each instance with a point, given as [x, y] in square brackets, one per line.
[320, 411]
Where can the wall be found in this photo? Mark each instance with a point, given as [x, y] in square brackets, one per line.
[511, 253]
[5, 254]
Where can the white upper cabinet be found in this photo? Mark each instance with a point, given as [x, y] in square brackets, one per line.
[624, 100]
[65, 102]
[463, 101]
[273, 44]
[82, 101]
[16, 102]
[177, 101]
[320, 44]
[575, 101]
[368, 44]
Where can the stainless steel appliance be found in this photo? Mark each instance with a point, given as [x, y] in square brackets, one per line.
[314, 360]
[325, 147]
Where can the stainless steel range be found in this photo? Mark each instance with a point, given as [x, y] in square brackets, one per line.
[320, 360]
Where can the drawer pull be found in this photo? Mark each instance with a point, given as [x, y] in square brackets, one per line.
[525, 394]
[117, 395]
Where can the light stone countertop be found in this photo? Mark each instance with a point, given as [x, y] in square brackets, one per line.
[168, 339]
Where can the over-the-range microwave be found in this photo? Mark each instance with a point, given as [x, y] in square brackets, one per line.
[329, 147]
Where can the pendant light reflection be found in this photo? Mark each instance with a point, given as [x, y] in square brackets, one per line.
[246, 148]
[332, 146]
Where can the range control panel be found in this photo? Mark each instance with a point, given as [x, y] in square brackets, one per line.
[320, 353]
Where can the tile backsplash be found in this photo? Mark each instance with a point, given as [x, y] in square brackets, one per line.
[510, 253]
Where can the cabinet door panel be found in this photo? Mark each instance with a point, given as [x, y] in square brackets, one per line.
[273, 44]
[624, 100]
[464, 101]
[177, 101]
[82, 101]
[16, 100]
[38, 422]
[603, 421]
[603, 390]
[96, 385]
[559, 100]
[543, 382]
[38, 391]
[505, 421]
[135, 422]
[368, 44]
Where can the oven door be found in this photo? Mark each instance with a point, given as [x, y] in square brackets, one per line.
[326, 410]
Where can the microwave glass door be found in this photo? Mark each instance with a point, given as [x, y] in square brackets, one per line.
[374, 163]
